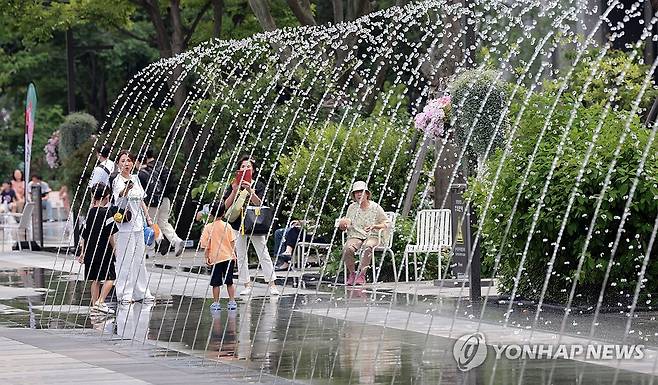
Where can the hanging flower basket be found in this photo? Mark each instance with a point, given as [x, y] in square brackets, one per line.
[432, 121]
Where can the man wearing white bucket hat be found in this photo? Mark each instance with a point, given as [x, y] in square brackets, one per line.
[362, 222]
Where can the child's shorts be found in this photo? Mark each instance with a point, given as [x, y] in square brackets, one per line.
[222, 274]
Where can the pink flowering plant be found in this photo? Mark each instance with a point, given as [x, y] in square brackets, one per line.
[52, 150]
[431, 120]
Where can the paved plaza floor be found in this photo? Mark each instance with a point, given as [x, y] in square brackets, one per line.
[321, 334]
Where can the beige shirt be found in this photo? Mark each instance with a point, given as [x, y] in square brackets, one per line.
[362, 218]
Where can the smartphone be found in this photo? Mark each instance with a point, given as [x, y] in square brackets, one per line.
[242, 175]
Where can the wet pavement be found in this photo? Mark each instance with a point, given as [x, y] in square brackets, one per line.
[327, 335]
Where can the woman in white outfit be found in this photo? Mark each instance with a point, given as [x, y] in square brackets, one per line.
[132, 279]
[242, 241]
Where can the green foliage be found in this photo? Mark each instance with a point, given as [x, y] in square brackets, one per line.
[12, 145]
[607, 77]
[357, 159]
[76, 129]
[643, 209]
[74, 175]
[471, 112]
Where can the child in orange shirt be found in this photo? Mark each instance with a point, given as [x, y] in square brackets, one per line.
[218, 241]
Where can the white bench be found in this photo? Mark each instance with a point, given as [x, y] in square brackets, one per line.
[433, 235]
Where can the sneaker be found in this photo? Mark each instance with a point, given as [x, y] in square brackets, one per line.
[179, 248]
[232, 305]
[274, 291]
[216, 306]
[246, 291]
[350, 279]
[360, 279]
[103, 308]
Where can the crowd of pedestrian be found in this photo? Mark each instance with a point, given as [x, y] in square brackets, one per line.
[131, 201]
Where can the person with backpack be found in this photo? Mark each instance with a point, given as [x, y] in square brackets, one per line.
[104, 168]
[158, 185]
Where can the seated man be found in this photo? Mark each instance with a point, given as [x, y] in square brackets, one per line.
[362, 222]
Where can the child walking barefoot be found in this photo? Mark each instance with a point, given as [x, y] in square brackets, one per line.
[218, 240]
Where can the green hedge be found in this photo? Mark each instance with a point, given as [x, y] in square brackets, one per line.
[644, 208]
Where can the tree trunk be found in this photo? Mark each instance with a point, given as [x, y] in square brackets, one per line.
[338, 11]
[303, 14]
[444, 168]
[371, 97]
[650, 48]
[262, 12]
[363, 7]
[177, 47]
[218, 15]
[351, 14]
[437, 79]
[161, 36]
[418, 168]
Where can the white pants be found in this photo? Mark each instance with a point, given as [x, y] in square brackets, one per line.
[260, 244]
[160, 215]
[132, 278]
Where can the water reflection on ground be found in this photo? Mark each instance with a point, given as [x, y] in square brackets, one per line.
[293, 336]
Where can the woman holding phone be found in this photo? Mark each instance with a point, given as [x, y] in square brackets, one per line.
[246, 169]
[132, 280]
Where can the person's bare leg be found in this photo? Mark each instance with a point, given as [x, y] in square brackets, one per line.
[231, 292]
[95, 291]
[368, 248]
[215, 293]
[105, 290]
[349, 250]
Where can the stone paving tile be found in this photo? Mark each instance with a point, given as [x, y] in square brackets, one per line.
[52, 357]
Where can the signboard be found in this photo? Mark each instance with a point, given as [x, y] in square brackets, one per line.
[459, 231]
[463, 240]
[30, 117]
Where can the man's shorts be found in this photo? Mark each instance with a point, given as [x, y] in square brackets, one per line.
[222, 274]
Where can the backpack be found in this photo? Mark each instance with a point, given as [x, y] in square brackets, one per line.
[152, 180]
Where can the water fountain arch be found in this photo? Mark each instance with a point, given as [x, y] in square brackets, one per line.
[206, 106]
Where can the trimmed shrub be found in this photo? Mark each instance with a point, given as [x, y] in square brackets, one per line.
[76, 130]
[469, 92]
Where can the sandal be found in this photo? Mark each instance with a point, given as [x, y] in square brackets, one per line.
[282, 267]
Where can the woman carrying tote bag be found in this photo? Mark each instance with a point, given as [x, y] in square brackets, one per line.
[245, 223]
[132, 279]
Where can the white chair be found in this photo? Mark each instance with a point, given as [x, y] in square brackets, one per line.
[24, 225]
[384, 248]
[433, 234]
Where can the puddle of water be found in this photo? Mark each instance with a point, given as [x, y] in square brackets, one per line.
[271, 337]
